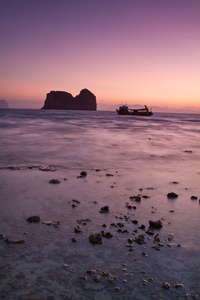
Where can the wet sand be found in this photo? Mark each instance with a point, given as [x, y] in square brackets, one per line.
[59, 262]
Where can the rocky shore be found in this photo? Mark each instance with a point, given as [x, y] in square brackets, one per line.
[82, 244]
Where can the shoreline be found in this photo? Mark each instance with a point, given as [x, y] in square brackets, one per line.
[49, 265]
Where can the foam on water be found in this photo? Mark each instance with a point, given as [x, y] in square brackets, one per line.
[148, 156]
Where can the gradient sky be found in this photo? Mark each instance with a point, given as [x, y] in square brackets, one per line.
[135, 51]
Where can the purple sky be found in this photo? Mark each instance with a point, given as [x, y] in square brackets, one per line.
[136, 51]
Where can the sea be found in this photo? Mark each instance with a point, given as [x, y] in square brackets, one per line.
[131, 164]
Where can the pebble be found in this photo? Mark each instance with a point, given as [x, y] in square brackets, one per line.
[54, 181]
[178, 285]
[166, 285]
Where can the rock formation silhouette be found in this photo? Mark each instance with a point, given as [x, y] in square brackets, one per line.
[4, 104]
[64, 100]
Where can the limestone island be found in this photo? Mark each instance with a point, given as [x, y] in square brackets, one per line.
[63, 100]
[4, 104]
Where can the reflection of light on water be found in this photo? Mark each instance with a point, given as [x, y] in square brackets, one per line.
[144, 156]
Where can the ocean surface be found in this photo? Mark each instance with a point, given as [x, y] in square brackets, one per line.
[124, 156]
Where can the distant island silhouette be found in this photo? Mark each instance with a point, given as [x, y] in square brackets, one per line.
[64, 100]
[3, 104]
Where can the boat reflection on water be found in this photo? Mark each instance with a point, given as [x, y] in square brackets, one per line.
[124, 110]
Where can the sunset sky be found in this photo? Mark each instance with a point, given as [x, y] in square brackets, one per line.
[133, 51]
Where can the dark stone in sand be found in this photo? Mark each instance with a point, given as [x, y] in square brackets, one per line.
[95, 238]
[142, 227]
[74, 240]
[129, 206]
[150, 232]
[134, 221]
[179, 285]
[33, 219]
[106, 273]
[156, 224]
[91, 271]
[140, 239]
[172, 195]
[83, 173]
[166, 285]
[104, 209]
[97, 278]
[145, 197]
[109, 175]
[78, 229]
[76, 201]
[106, 235]
[120, 224]
[54, 181]
[9, 241]
[194, 197]
[135, 198]
[188, 151]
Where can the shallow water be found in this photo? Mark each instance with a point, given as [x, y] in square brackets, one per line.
[145, 156]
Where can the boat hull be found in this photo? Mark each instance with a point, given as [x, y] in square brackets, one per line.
[135, 113]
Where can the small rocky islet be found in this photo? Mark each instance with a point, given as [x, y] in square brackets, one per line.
[147, 235]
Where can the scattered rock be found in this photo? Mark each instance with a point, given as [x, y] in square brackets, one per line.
[104, 209]
[97, 278]
[74, 240]
[142, 227]
[106, 274]
[91, 271]
[95, 238]
[149, 232]
[144, 282]
[78, 229]
[166, 285]
[134, 221]
[106, 235]
[33, 219]
[83, 277]
[156, 224]
[83, 174]
[112, 279]
[54, 181]
[135, 198]
[9, 241]
[172, 195]
[156, 247]
[178, 285]
[140, 239]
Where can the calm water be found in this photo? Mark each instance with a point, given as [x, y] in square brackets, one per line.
[144, 155]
